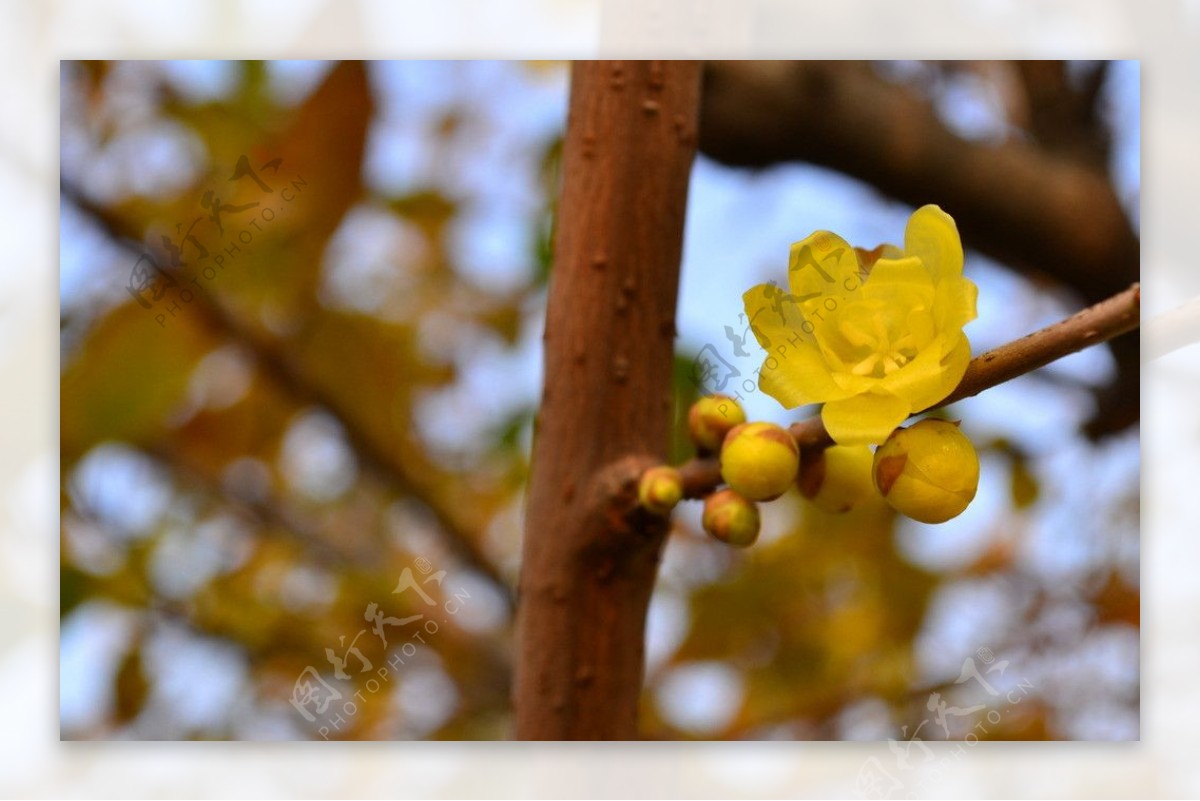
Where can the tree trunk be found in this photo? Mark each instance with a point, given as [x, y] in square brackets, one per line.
[590, 557]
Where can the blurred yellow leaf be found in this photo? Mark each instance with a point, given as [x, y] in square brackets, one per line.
[126, 378]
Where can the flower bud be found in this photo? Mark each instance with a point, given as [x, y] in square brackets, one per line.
[659, 489]
[731, 518]
[711, 418]
[759, 460]
[928, 471]
[838, 478]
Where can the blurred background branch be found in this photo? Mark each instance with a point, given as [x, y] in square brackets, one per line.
[1043, 204]
[404, 473]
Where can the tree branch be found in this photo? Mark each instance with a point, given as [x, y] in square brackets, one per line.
[1063, 117]
[590, 559]
[1096, 324]
[274, 358]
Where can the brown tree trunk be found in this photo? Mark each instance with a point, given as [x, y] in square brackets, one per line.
[590, 558]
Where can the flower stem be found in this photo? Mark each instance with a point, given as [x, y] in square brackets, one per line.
[1106, 320]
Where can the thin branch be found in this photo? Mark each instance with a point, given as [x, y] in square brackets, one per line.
[1107, 320]
[288, 372]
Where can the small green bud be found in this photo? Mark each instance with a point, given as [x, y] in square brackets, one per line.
[711, 418]
[838, 478]
[928, 471]
[659, 489]
[759, 460]
[731, 518]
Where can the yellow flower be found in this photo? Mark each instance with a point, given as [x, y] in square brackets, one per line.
[874, 336]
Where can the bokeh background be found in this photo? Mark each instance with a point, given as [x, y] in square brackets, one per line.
[251, 462]
[37, 34]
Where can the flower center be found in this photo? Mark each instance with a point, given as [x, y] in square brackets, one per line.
[885, 353]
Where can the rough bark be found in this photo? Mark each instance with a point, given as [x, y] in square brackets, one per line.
[590, 558]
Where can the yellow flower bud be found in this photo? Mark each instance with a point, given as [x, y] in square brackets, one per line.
[759, 460]
[659, 489]
[838, 478]
[928, 471]
[711, 418]
[731, 518]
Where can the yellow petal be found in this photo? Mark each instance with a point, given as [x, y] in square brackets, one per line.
[893, 304]
[822, 265]
[797, 377]
[865, 419]
[954, 306]
[772, 314]
[908, 275]
[932, 237]
[867, 258]
[855, 384]
[794, 372]
[851, 332]
[837, 351]
[931, 376]
[775, 315]
[921, 330]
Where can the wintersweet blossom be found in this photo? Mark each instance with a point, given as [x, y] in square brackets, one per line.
[874, 336]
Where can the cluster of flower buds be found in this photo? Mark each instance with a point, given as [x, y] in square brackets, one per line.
[928, 471]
